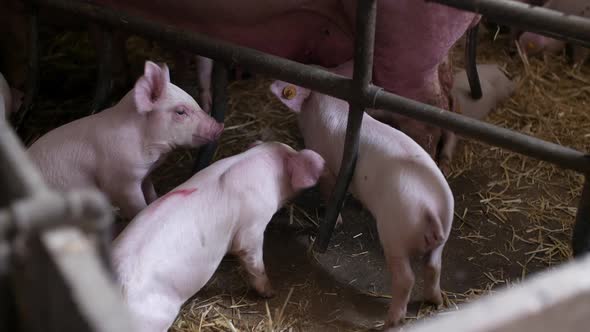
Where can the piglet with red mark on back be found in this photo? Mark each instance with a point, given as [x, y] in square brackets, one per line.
[173, 247]
[116, 149]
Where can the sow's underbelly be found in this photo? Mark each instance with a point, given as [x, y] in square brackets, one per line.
[290, 29]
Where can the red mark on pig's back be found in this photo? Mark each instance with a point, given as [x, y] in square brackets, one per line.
[180, 192]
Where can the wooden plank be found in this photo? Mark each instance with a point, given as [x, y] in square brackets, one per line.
[556, 300]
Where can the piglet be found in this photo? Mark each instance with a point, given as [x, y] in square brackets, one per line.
[395, 179]
[534, 44]
[173, 247]
[116, 149]
[496, 88]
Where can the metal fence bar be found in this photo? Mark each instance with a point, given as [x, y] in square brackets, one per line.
[581, 235]
[53, 278]
[530, 18]
[341, 87]
[366, 17]
[483, 131]
[260, 62]
[470, 63]
[62, 286]
[331, 84]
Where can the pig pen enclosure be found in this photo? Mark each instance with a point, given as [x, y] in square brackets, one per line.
[513, 214]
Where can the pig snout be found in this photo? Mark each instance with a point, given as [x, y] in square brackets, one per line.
[216, 130]
[209, 131]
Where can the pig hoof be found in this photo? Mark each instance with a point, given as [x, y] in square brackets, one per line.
[267, 292]
[445, 167]
[435, 298]
[339, 222]
[395, 317]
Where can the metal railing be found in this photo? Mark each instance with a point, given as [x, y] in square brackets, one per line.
[360, 93]
[32, 214]
[50, 271]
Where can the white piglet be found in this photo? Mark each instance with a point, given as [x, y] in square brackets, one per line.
[116, 149]
[395, 179]
[173, 247]
[496, 87]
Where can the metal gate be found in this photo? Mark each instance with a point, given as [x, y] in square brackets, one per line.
[31, 215]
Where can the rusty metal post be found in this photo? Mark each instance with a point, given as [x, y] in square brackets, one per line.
[104, 78]
[471, 63]
[32, 83]
[366, 16]
[220, 78]
[581, 236]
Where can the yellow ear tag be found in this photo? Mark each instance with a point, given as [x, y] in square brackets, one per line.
[531, 46]
[289, 92]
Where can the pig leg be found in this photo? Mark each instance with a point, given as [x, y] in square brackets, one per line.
[401, 288]
[448, 145]
[327, 182]
[204, 72]
[580, 55]
[129, 198]
[149, 192]
[432, 267]
[249, 252]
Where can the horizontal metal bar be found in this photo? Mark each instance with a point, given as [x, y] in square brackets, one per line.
[483, 131]
[332, 84]
[273, 66]
[530, 18]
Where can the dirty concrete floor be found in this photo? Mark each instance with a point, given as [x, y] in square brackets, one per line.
[344, 289]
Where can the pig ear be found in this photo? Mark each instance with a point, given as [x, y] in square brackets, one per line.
[151, 86]
[291, 95]
[305, 169]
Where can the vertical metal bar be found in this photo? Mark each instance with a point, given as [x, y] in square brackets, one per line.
[581, 236]
[32, 85]
[105, 69]
[219, 81]
[366, 17]
[471, 64]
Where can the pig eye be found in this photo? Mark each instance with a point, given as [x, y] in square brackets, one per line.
[180, 111]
